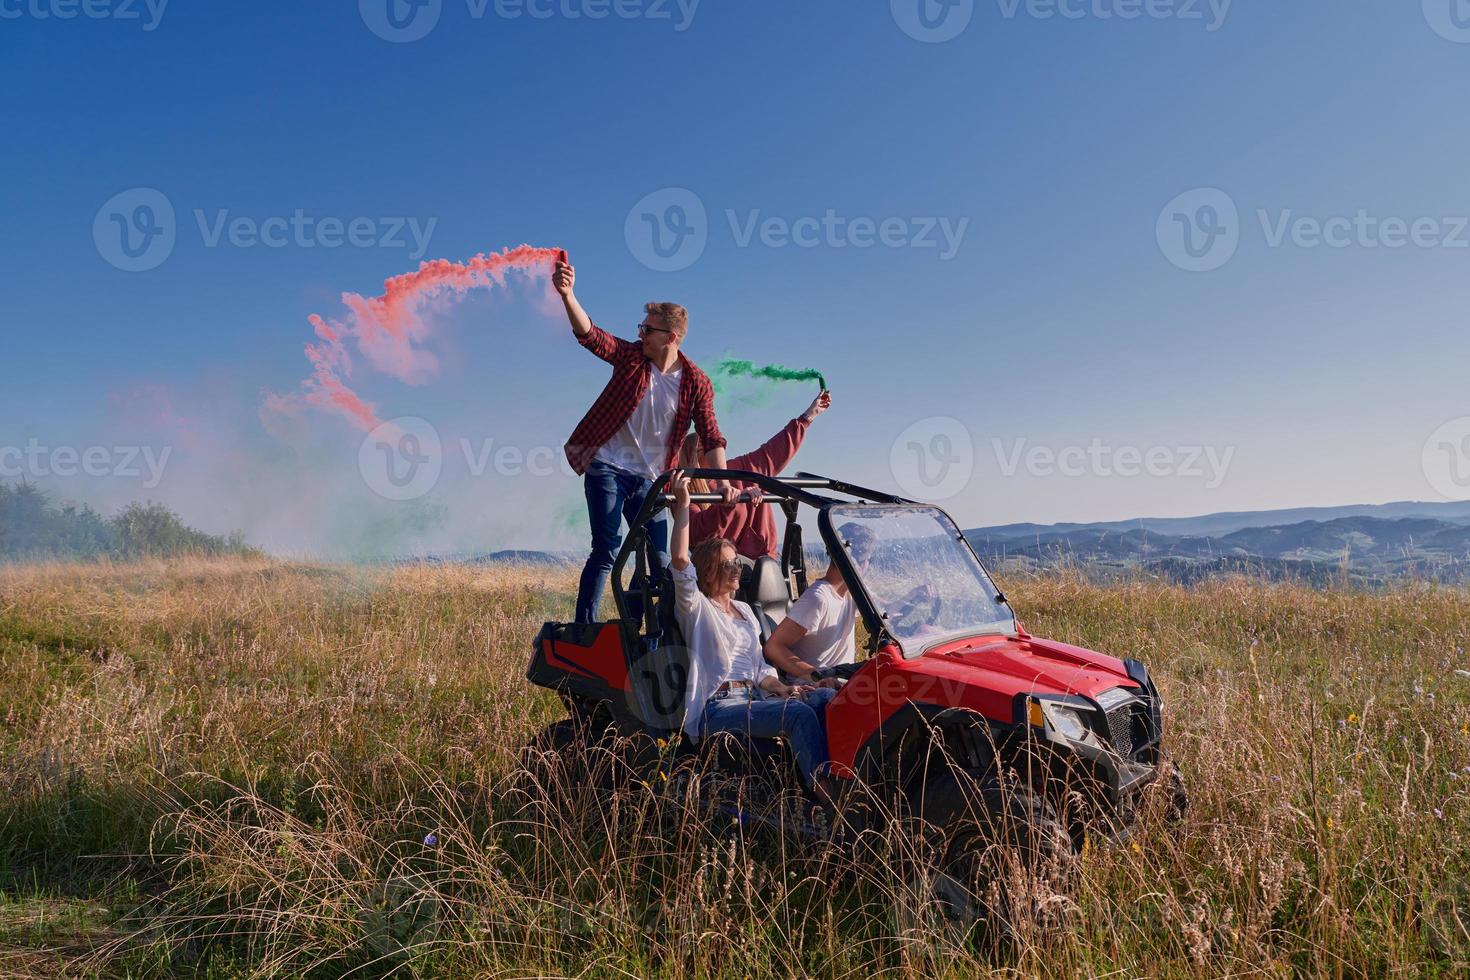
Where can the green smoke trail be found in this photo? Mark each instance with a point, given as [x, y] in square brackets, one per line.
[571, 518]
[731, 368]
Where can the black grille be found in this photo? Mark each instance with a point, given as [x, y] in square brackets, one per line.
[1120, 728]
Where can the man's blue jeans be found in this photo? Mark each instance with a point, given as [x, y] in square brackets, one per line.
[612, 495]
[798, 720]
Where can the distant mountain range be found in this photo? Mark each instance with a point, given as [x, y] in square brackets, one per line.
[1364, 544]
[1457, 512]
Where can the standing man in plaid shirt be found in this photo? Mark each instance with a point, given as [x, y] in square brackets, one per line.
[634, 431]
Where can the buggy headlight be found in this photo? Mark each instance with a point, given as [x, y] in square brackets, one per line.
[1062, 719]
[1067, 721]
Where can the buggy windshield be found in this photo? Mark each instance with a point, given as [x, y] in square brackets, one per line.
[922, 577]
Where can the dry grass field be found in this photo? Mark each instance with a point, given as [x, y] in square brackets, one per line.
[231, 768]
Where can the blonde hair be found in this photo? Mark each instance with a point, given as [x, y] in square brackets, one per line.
[674, 316]
[706, 556]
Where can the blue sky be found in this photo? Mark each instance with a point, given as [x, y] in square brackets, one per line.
[1061, 324]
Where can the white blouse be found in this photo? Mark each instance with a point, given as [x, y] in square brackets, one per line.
[720, 648]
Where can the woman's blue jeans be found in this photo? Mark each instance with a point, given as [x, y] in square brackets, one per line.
[759, 715]
[614, 495]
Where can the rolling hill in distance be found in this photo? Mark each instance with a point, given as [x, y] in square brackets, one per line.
[1457, 512]
[1363, 544]
[1360, 544]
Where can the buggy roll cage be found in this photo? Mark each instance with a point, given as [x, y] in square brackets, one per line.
[789, 493]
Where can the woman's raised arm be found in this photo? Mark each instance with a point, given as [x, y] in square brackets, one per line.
[679, 545]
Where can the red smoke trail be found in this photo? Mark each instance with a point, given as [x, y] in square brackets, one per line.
[390, 329]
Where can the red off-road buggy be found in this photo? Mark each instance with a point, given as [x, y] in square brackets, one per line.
[995, 739]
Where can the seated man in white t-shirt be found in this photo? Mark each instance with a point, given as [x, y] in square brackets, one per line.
[818, 630]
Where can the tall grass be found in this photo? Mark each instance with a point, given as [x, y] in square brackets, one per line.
[279, 769]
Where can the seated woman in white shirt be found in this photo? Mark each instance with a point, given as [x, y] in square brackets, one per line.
[731, 687]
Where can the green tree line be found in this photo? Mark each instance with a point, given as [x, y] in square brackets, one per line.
[33, 526]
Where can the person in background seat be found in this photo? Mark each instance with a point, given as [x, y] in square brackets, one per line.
[752, 527]
[819, 628]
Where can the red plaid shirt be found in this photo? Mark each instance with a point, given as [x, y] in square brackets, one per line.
[626, 388]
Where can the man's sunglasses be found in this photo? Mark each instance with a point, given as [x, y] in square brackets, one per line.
[645, 328]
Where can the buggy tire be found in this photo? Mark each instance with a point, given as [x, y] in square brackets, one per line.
[998, 863]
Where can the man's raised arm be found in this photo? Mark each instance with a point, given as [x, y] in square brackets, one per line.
[563, 278]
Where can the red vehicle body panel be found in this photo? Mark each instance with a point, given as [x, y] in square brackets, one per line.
[603, 661]
[983, 674]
